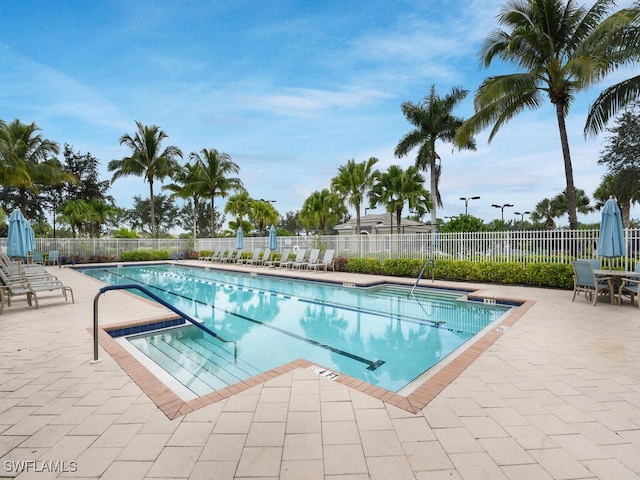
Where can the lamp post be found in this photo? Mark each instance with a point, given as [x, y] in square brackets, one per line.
[522, 214]
[366, 209]
[502, 207]
[466, 202]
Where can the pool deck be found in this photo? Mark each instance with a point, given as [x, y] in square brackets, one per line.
[556, 395]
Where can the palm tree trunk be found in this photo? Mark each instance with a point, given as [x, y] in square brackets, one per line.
[213, 215]
[434, 192]
[358, 219]
[568, 169]
[154, 233]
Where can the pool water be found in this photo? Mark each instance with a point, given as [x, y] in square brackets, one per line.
[382, 335]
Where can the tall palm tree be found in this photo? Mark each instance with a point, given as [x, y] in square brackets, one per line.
[353, 182]
[147, 160]
[216, 180]
[561, 49]
[185, 186]
[396, 188]
[434, 121]
[625, 47]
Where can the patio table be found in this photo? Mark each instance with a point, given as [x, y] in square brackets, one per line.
[618, 276]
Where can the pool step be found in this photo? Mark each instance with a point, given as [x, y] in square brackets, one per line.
[199, 363]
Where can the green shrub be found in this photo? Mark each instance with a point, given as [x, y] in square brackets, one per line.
[559, 275]
[144, 255]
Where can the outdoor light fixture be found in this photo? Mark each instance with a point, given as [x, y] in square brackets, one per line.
[502, 207]
[522, 214]
[466, 202]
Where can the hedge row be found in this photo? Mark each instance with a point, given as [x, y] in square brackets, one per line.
[553, 275]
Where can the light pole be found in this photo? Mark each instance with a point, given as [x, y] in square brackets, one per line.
[502, 207]
[522, 214]
[466, 202]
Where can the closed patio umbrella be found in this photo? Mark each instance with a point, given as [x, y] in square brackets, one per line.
[273, 238]
[239, 239]
[611, 242]
[19, 240]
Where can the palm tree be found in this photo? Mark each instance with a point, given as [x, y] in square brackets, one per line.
[147, 160]
[397, 187]
[353, 182]
[625, 45]
[561, 49]
[546, 210]
[321, 210]
[185, 186]
[239, 205]
[263, 213]
[215, 180]
[624, 185]
[26, 160]
[433, 121]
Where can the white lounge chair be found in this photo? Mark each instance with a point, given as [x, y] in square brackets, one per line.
[326, 262]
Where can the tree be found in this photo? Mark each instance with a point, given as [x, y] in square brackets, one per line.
[397, 187]
[353, 182]
[263, 214]
[289, 224]
[561, 49]
[26, 165]
[139, 217]
[147, 160]
[434, 121]
[621, 155]
[239, 205]
[624, 46]
[546, 210]
[583, 202]
[322, 210]
[215, 178]
[464, 223]
[186, 186]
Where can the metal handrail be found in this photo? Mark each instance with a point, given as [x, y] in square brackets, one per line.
[432, 262]
[160, 301]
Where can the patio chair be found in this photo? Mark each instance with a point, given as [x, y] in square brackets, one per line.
[584, 280]
[326, 262]
[629, 287]
[276, 262]
[37, 258]
[299, 259]
[52, 258]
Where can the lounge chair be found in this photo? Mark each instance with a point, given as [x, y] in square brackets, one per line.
[254, 257]
[326, 262]
[296, 261]
[233, 256]
[584, 280]
[12, 287]
[283, 258]
[262, 259]
[37, 258]
[312, 260]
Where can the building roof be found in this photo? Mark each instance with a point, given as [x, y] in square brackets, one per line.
[378, 221]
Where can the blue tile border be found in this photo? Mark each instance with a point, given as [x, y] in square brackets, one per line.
[144, 327]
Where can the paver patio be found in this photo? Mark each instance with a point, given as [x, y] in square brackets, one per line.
[555, 396]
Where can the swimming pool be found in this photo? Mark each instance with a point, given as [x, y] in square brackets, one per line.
[381, 334]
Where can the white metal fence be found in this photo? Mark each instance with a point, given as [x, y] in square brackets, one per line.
[555, 246]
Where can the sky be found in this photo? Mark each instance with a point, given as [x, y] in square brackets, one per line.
[291, 90]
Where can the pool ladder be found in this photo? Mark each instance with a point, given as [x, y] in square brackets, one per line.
[160, 301]
[432, 262]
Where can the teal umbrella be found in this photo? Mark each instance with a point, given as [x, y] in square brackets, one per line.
[239, 239]
[273, 238]
[19, 240]
[611, 242]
